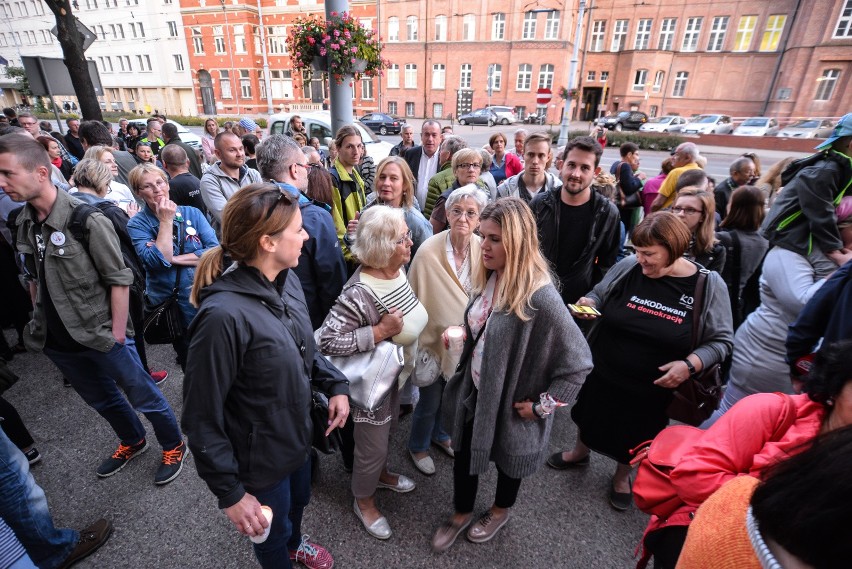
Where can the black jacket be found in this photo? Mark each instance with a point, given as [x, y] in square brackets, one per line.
[601, 250]
[247, 392]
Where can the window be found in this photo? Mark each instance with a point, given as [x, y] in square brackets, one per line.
[524, 81]
[439, 76]
[45, 37]
[529, 26]
[411, 28]
[619, 35]
[99, 30]
[658, 81]
[393, 29]
[639, 80]
[144, 62]
[410, 76]
[465, 76]
[409, 109]
[844, 23]
[590, 76]
[117, 30]
[124, 63]
[826, 84]
[141, 29]
[392, 108]
[239, 39]
[680, 84]
[178, 62]
[197, 42]
[281, 83]
[440, 28]
[545, 76]
[245, 84]
[225, 84]
[496, 76]
[367, 89]
[667, 31]
[367, 23]
[437, 110]
[717, 33]
[690, 36]
[3, 42]
[469, 27]
[643, 34]
[172, 29]
[276, 40]
[597, 39]
[604, 76]
[106, 64]
[219, 39]
[498, 26]
[551, 26]
[393, 76]
[745, 31]
[772, 33]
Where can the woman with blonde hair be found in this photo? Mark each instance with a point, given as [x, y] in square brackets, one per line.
[499, 405]
[251, 365]
[116, 192]
[697, 209]
[208, 145]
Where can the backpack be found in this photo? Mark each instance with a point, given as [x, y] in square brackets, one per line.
[77, 227]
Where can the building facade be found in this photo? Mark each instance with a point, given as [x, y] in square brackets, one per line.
[140, 50]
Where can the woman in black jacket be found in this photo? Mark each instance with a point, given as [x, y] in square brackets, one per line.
[251, 362]
[697, 209]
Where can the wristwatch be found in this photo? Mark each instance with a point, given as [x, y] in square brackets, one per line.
[689, 366]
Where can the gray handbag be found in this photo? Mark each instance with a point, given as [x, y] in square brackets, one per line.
[371, 374]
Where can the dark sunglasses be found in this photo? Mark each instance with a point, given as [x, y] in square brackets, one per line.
[281, 195]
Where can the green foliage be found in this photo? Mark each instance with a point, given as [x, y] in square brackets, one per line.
[20, 77]
[644, 140]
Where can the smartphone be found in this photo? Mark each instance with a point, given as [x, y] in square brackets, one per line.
[123, 204]
[583, 310]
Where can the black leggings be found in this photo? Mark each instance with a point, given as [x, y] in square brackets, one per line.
[465, 484]
[14, 426]
[666, 545]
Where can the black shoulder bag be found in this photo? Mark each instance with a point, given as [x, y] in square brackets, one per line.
[164, 322]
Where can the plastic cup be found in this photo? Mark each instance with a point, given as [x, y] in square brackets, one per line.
[267, 511]
[455, 339]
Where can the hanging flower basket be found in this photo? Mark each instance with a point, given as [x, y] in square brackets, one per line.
[342, 43]
[566, 93]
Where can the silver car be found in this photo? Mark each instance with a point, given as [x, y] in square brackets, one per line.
[808, 128]
[757, 126]
[185, 136]
[506, 115]
[710, 124]
[669, 123]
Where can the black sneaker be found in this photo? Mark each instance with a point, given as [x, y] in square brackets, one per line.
[66, 382]
[121, 457]
[91, 539]
[33, 456]
[172, 464]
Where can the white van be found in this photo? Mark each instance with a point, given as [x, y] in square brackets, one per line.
[318, 124]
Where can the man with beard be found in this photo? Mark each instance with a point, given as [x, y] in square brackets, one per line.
[225, 177]
[579, 230]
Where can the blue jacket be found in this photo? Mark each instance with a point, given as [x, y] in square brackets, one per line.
[143, 228]
[321, 268]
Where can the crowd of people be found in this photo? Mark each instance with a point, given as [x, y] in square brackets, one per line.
[612, 288]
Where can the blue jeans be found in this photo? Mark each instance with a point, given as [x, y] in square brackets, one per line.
[426, 419]
[24, 507]
[288, 499]
[731, 396]
[96, 377]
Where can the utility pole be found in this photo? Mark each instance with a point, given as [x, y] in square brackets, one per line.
[340, 95]
[572, 77]
[266, 79]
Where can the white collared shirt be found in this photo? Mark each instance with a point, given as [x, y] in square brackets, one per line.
[428, 168]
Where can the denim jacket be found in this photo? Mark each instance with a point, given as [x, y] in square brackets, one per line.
[79, 283]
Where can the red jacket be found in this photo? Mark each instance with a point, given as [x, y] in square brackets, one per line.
[513, 165]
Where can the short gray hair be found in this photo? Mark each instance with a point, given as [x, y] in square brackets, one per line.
[453, 144]
[690, 149]
[377, 233]
[523, 131]
[740, 164]
[275, 154]
[470, 191]
[486, 159]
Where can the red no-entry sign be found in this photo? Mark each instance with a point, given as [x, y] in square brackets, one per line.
[543, 96]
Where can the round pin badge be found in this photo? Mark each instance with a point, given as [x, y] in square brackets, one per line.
[190, 231]
[57, 238]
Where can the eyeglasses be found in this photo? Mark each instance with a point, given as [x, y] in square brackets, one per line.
[469, 166]
[282, 194]
[470, 214]
[307, 166]
[25, 124]
[148, 144]
[686, 210]
[404, 238]
[151, 187]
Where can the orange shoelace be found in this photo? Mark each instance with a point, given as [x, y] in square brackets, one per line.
[173, 456]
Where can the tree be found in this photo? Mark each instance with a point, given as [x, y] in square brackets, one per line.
[71, 42]
[20, 77]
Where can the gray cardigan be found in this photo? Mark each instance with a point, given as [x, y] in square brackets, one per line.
[716, 330]
[548, 354]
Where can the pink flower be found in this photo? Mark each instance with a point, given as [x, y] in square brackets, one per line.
[352, 60]
[354, 50]
[335, 13]
[312, 41]
[337, 33]
[322, 51]
[347, 34]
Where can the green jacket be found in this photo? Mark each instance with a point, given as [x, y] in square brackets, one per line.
[79, 282]
[438, 184]
[348, 198]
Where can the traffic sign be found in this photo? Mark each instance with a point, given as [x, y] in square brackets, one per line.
[89, 36]
[543, 96]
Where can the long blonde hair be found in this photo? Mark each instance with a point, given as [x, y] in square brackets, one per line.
[526, 270]
[705, 234]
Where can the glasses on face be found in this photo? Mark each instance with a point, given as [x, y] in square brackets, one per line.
[404, 238]
[281, 195]
[26, 124]
[686, 210]
[470, 214]
[308, 167]
[148, 144]
[151, 187]
[470, 166]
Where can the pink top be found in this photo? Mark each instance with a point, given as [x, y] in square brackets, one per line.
[650, 191]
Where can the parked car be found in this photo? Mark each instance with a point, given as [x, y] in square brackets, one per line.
[669, 123]
[757, 126]
[480, 116]
[506, 115]
[185, 136]
[808, 128]
[382, 123]
[318, 124]
[534, 118]
[624, 120]
[710, 124]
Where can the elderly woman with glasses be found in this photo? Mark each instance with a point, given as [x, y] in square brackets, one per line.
[467, 168]
[169, 240]
[357, 322]
[441, 277]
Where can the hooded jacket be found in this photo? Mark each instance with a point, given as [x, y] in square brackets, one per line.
[247, 389]
[217, 188]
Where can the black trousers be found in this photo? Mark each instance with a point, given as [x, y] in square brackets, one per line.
[13, 425]
[465, 485]
[666, 545]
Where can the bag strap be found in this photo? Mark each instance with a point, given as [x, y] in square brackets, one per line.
[698, 304]
[372, 293]
[179, 267]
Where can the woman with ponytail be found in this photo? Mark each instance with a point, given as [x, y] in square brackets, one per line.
[251, 363]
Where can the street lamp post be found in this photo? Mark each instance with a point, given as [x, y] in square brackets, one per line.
[572, 76]
[340, 94]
